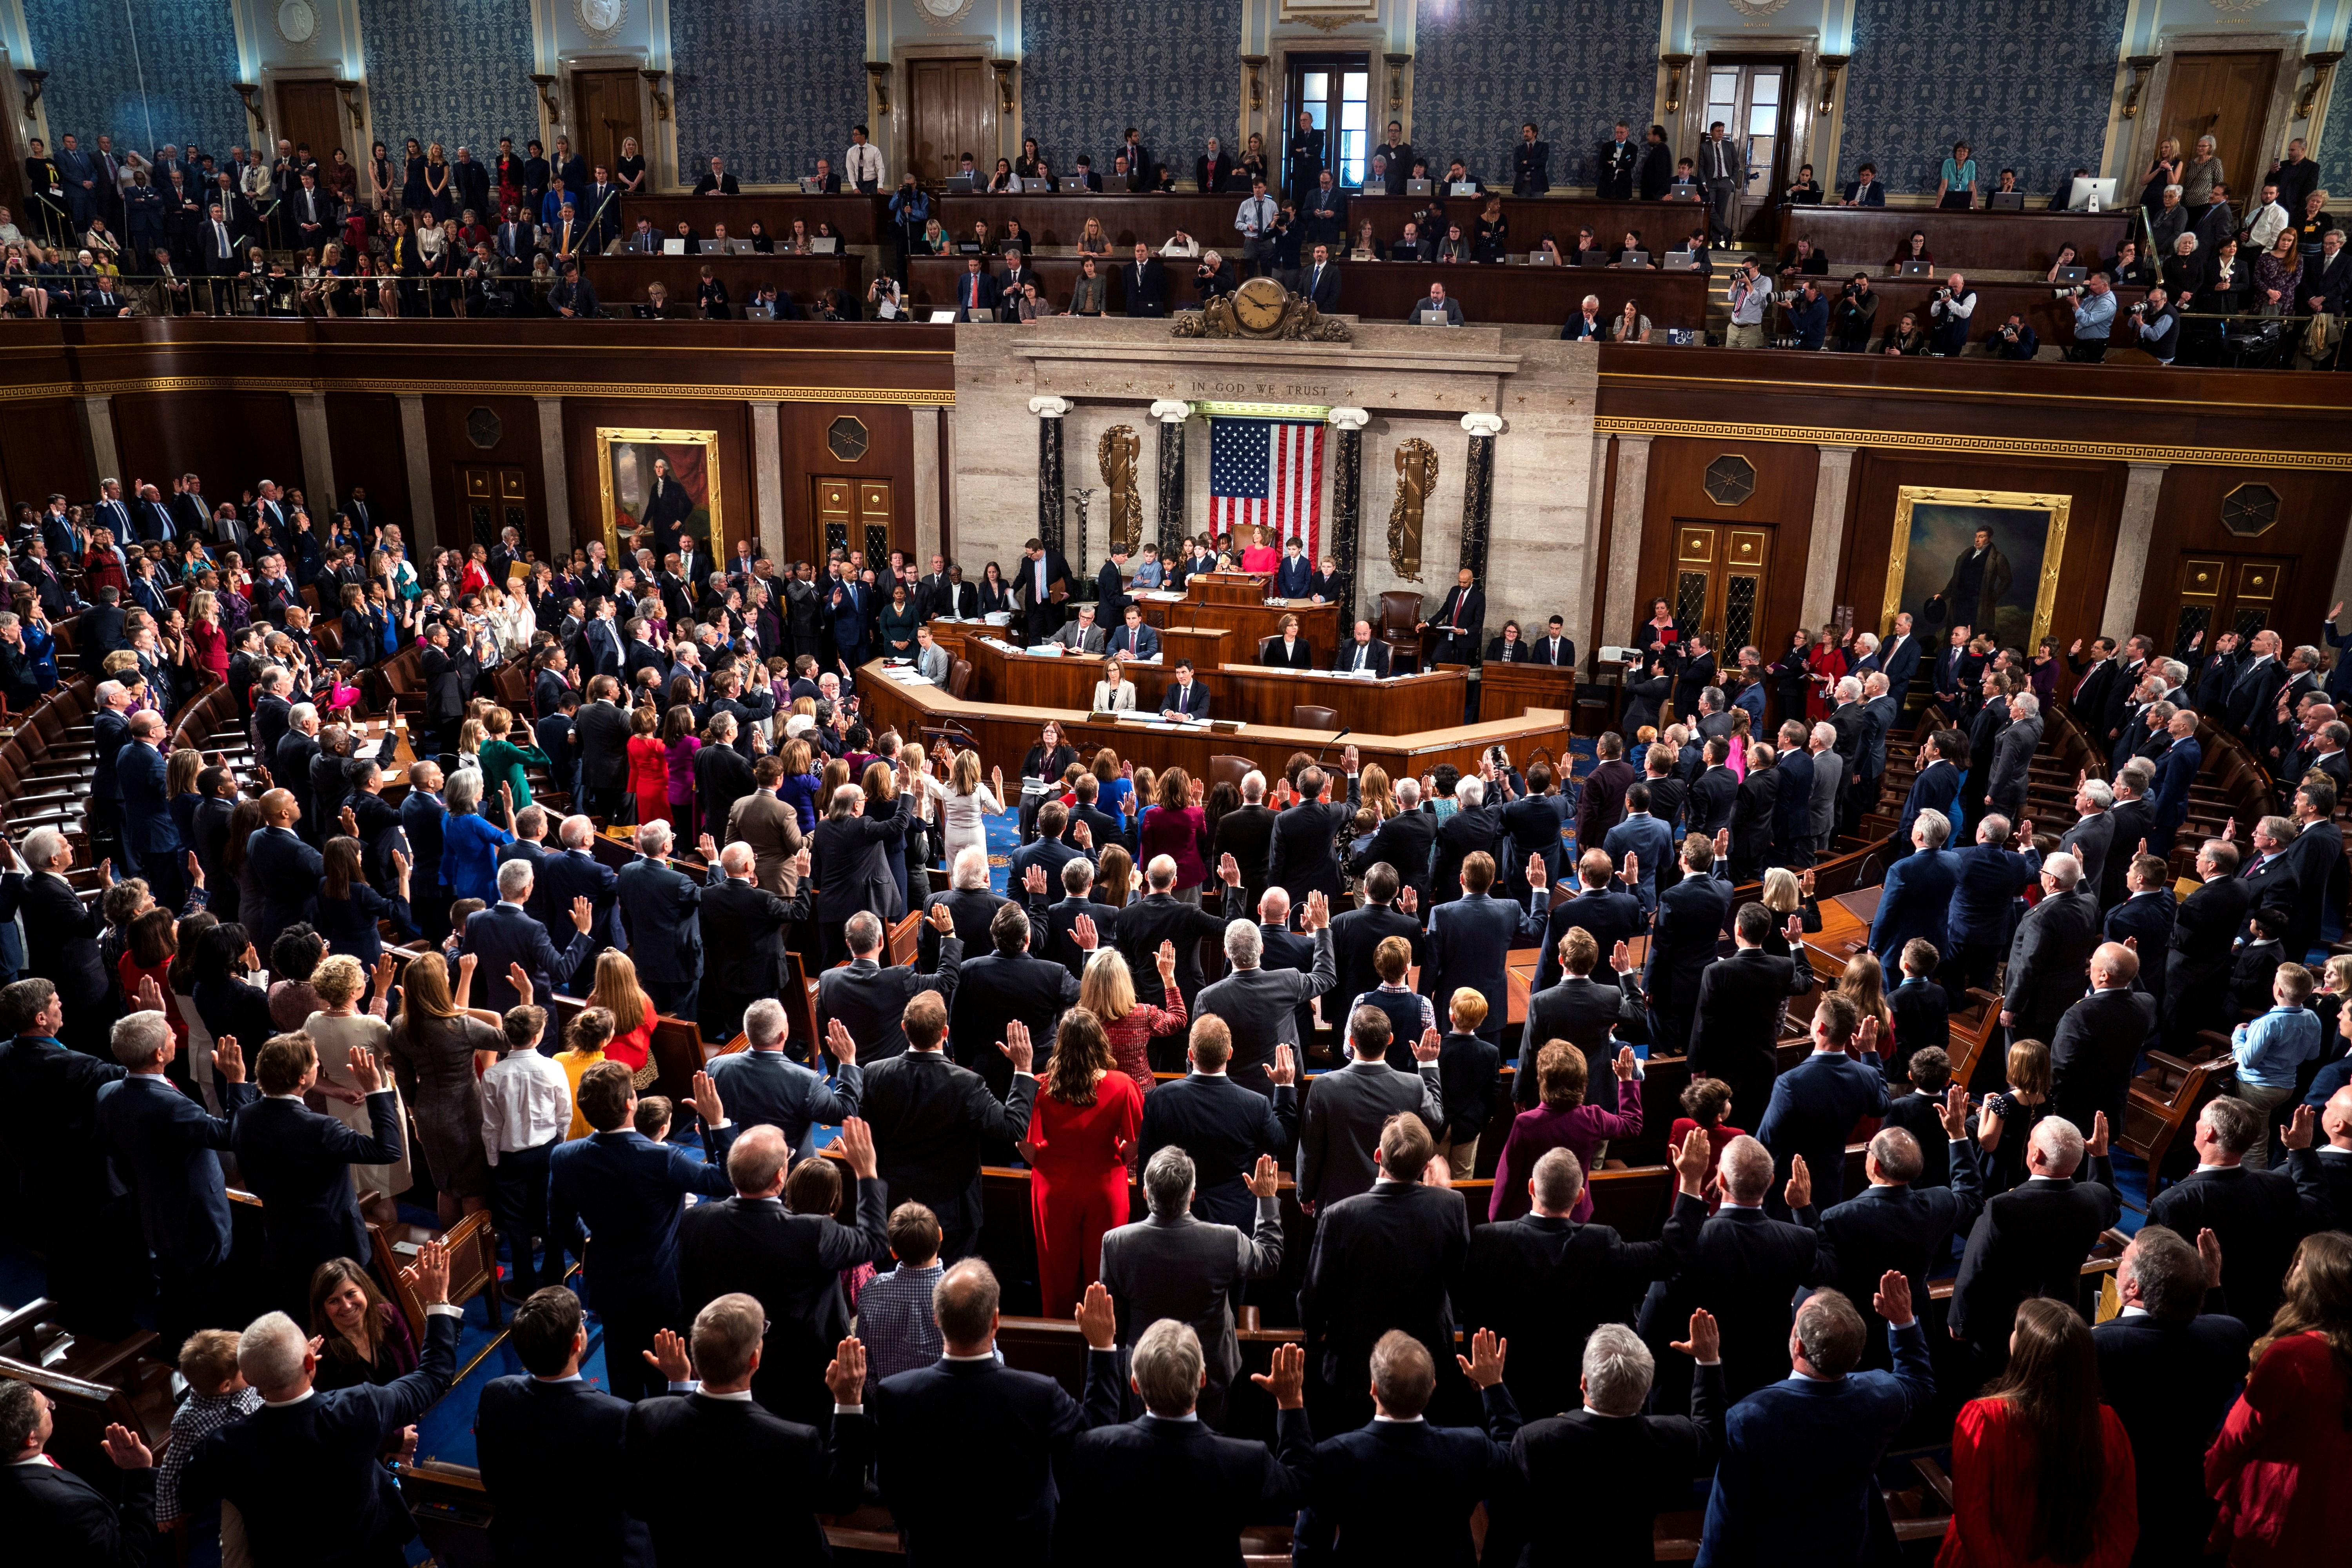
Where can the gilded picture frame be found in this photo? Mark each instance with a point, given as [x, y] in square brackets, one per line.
[625, 470]
[1934, 527]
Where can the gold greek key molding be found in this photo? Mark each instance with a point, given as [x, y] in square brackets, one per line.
[1991, 446]
[296, 386]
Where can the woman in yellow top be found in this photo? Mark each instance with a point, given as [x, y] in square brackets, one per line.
[584, 1041]
[505, 763]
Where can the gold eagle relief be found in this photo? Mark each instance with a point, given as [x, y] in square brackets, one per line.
[1417, 473]
[1116, 453]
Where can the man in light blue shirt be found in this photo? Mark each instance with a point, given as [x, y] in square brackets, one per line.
[1254, 223]
[2270, 1048]
[2094, 317]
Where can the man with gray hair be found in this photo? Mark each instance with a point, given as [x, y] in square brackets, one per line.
[2092, 836]
[2012, 756]
[306, 1469]
[970, 905]
[2050, 951]
[1259, 1005]
[865, 998]
[504, 936]
[766, 1089]
[1175, 1265]
[61, 936]
[1899, 1224]
[1830, 782]
[660, 913]
[747, 924]
[2259, 1215]
[2033, 1240]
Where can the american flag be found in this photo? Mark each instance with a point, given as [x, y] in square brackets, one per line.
[1268, 472]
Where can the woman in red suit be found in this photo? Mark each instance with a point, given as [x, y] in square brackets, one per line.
[2041, 1472]
[1829, 666]
[1085, 1120]
[648, 766]
[2278, 1467]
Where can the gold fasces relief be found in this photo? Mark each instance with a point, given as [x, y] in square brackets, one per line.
[1116, 453]
[1416, 471]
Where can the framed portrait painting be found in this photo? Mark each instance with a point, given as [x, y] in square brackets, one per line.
[1984, 559]
[663, 479]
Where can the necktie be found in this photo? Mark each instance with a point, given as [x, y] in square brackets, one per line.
[1360, 656]
[1457, 610]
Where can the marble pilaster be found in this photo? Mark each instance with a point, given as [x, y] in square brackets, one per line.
[1050, 412]
[1832, 481]
[424, 505]
[1346, 506]
[2127, 577]
[554, 476]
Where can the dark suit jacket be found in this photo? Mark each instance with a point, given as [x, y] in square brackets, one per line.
[1396, 1492]
[529, 1436]
[298, 1163]
[971, 910]
[1737, 1021]
[1640, 1464]
[1746, 1268]
[1225, 1128]
[1147, 293]
[503, 935]
[1465, 832]
[1909, 1227]
[746, 953]
[1814, 1105]
[931, 1119]
[52, 1515]
[163, 1147]
[2091, 1056]
[2203, 926]
[287, 873]
[626, 1188]
[2171, 1384]
[1226, 1482]
[1357, 934]
[2029, 1241]
[723, 1480]
[61, 936]
[1470, 941]
[1389, 1259]
[968, 1451]
[768, 1088]
[994, 989]
[1583, 1012]
[2261, 1218]
[869, 999]
[1989, 879]
[306, 1477]
[1157, 918]
[2048, 958]
[1300, 857]
[659, 908]
[1405, 842]
[1194, 704]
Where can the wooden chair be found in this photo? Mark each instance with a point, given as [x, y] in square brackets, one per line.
[799, 1006]
[473, 1264]
[1969, 1035]
[958, 678]
[1306, 716]
[137, 1396]
[1400, 616]
[2164, 1099]
[904, 936]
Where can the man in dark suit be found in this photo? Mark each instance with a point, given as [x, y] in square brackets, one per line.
[162, 1146]
[1224, 1127]
[505, 934]
[1899, 1223]
[1388, 1259]
[62, 940]
[2170, 1372]
[1300, 859]
[1682, 943]
[1141, 282]
[626, 1189]
[1362, 653]
[298, 1161]
[1471, 937]
[306, 1469]
[1185, 697]
[660, 909]
[2049, 952]
[968, 1446]
[791, 1263]
[1616, 163]
[1006, 985]
[1715, 792]
[51, 1514]
[745, 962]
[2134, 816]
[1817, 1103]
[1342, 1122]
[1737, 1018]
[776, 1476]
[865, 999]
[530, 1430]
[2258, 1215]
[1271, 978]
[2099, 1037]
[1581, 1010]
[2012, 753]
[603, 729]
[1403, 841]
[1356, 933]
[1600, 902]
[1226, 1482]
[2031, 1240]
[1915, 901]
[1318, 280]
[1460, 624]
[1544, 1282]
[931, 1118]
[1989, 875]
[1157, 917]
[2197, 973]
[765, 1089]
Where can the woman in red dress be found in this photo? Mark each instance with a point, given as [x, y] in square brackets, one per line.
[1828, 666]
[1080, 1130]
[1108, 991]
[648, 766]
[1259, 555]
[2041, 1472]
[2278, 1467]
[617, 991]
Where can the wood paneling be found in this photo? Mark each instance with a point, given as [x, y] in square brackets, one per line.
[858, 219]
[1782, 501]
[2097, 489]
[606, 114]
[42, 452]
[312, 112]
[621, 280]
[889, 454]
[1869, 238]
[450, 450]
[363, 437]
[232, 439]
[2313, 511]
[2226, 97]
[947, 113]
[583, 417]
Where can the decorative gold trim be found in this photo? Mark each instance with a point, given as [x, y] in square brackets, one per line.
[2006, 446]
[31, 391]
[2054, 547]
[606, 435]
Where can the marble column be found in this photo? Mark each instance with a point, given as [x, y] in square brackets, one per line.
[1172, 413]
[1049, 412]
[318, 451]
[98, 423]
[767, 482]
[1478, 491]
[2128, 574]
[424, 505]
[1347, 509]
[554, 475]
[930, 526]
[1633, 499]
[1832, 482]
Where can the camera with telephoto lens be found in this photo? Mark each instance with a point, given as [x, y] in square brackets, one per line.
[1944, 292]
[1786, 296]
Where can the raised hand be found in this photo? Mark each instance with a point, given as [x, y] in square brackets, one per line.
[1794, 931]
[1955, 1113]
[669, 1357]
[1632, 870]
[1408, 899]
[1288, 1382]
[1693, 1162]
[941, 918]
[1285, 1068]
[1621, 957]
[1229, 871]
[1536, 873]
[1097, 1319]
[2299, 1128]
[1893, 1301]
[125, 1450]
[1625, 1066]
[1082, 930]
[839, 1042]
[858, 1144]
[1264, 1178]
[1033, 880]
[2096, 1144]
[708, 846]
[1015, 1045]
[1083, 834]
[150, 997]
[363, 1070]
[228, 1061]
[2208, 1251]
[705, 1102]
[1425, 1049]
[844, 1375]
[583, 914]
[1166, 960]
[1484, 1364]
[1799, 1192]
[1722, 842]
[1705, 1342]
[1319, 911]
[430, 1272]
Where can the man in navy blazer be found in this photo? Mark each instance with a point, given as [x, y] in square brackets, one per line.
[2169, 792]
[1643, 835]
[1599, 902]
[660, 908]
[1989, 875]
[1815, 1103]
[1294, 577]
[1898, 660]
[570, 873]
[162, 1144]
[626, 1188]
[298, 1161]
[1799, 1471]
[1917, 897]
[1470, 939]
[1221, 1125]
[2032, 1239]
[768, 1088]
[1682, 940]
[151, 838]
[305, 1469]
[1186, 698]
[1936, 787]
[531, 1433]
[504, 936]
[1895, 1223]
[287, 872]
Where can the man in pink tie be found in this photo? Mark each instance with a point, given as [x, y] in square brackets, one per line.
[1135, 640]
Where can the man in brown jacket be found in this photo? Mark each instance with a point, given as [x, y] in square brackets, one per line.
[772, 828]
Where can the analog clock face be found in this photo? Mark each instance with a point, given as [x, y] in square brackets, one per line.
[297, 21]
[1257, 304]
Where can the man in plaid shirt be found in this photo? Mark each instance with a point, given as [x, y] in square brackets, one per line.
[894, 1310]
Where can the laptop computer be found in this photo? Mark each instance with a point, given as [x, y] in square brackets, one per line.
[1463, 188]
[1635, 259]
[1012, 248]
[1073, 185]
[1539, 259]
[1592, 259]
[1681, 261]
[980, 313]
[2005, 202]
[1420, 187]
[1682, 191]
[739, 247]
[825, 245]
[942, 317]
[759, 312]
[2070, 274]
[958, 185]
[673, 245]
[1916, 270]
[1032, 184]
[970, 248]
[1435, 319]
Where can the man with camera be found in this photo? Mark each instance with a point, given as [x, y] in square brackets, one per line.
[1213, 276]
[2095, 314]
[2016, 338]
[1808, 315]
[1748, 297]
[1949, 311]
[2156, 325]
[1856, 310]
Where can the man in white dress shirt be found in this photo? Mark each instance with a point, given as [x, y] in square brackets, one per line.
[862, 165]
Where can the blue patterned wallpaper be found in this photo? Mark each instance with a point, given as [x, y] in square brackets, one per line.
[188, 48]
[2336, 140]
[452, 71]
[1573, 67]
[770, 88]
[1090, 68]
[2030, 93]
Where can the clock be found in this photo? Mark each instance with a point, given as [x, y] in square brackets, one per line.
[297, 21]
[938, 12]
[600, 19]
[1259, 303]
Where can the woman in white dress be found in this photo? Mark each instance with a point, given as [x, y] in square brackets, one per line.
[1113, 691]
[335, 1030]
[969, 805]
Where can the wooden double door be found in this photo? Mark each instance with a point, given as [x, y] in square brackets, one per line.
[947, 115]
[2226, 96]
[312, 113]
[2218, 592]
[497, 498]
[606, 113]
[853, 514]
[1720, 570]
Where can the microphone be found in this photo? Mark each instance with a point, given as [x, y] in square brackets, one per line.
[1345, 731]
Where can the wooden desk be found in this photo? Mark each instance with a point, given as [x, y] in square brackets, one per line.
[620, 280]
[1245, 691]
[1385, 290]
[1206, 647]
[1319, 624]
[1507, 691]
[2052, 319]
[1059, 220]
[1003, 733]
[1663, 226]
[1871, 237]
[857, 219]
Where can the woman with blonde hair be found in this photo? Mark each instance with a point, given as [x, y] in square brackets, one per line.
[1092, 241]
[1082, 1128]
[1373, 789]
[337, 1029]
[624, 999]
[437, 1049]
[2278, 1464]
[970, 804]
[1108, 991]
[1865, 984]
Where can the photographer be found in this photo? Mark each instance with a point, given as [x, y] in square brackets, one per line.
[1856, 312]
[1948, 313]
[1809, 316]
[2015, 339]
[1213, 276]
[2094, 317]
[2156, 325]
[1748, 297]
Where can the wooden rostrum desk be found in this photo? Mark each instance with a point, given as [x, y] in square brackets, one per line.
[1236, 601]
